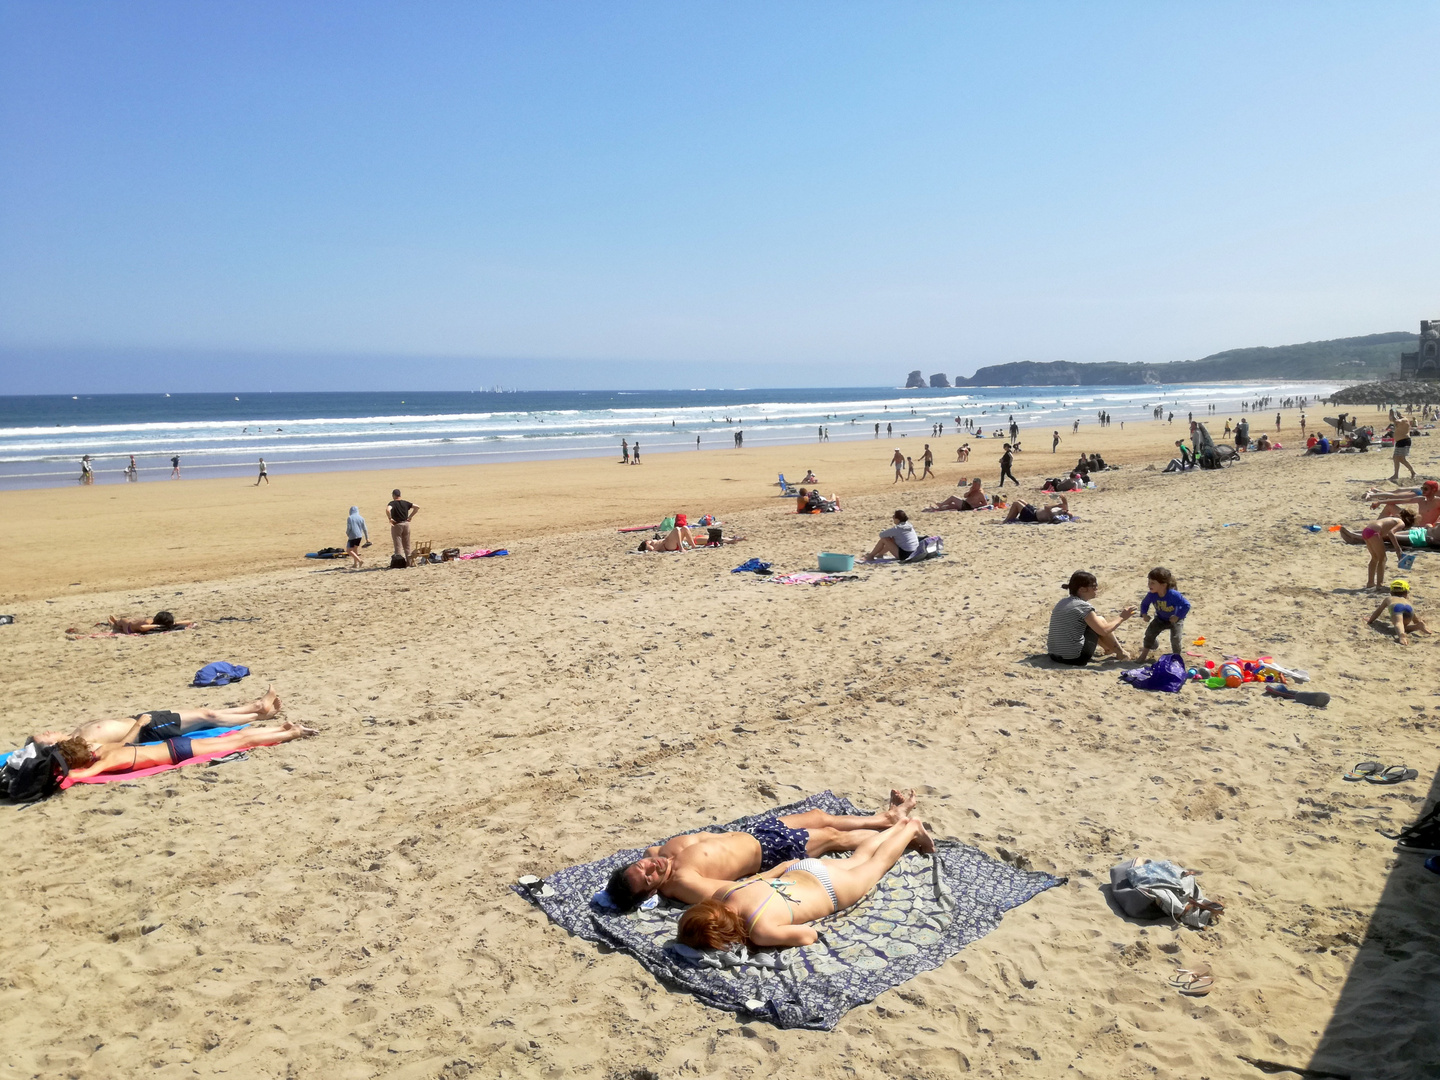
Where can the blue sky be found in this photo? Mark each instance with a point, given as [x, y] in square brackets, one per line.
[430, 195]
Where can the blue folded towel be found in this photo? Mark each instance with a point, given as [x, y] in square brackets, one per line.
[220, 673]
[752, 565]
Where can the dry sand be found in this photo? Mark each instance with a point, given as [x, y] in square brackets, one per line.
[339, 907]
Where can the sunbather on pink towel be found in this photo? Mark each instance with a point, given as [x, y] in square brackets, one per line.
[87, 759]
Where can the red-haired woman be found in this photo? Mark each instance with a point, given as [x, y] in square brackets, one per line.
[776, 907]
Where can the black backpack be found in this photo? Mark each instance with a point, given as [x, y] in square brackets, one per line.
[32, 773]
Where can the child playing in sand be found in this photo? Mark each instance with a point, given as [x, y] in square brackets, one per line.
[1402, 612]
[1170, 611]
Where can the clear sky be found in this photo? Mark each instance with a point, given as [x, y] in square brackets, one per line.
[258, 195]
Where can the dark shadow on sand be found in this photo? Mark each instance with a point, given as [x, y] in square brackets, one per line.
[1386, 1025]
[1110, 665]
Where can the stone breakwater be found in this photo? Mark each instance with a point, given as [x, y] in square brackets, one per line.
[1390, 392]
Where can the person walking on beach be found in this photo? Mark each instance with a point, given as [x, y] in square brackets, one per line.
[401, 513]
[132, 473]
[87, 471]
[927, 460]
[898, 460]
[624, 451]
[175, 467]
[635, 453]
[1277, 421]
[264, 475]
[1006, 460]
[1054, 440]
[354, 530]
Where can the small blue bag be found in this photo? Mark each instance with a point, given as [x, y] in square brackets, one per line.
[1167, 674]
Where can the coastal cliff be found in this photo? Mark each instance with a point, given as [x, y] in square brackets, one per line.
[1373, 356]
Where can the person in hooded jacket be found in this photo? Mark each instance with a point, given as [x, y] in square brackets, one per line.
[354, 530]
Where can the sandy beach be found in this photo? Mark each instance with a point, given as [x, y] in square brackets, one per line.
[341, 906]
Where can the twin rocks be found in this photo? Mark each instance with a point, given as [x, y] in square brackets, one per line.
[916, 381]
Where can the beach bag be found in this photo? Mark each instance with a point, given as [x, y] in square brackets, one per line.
[1166, 674]
[1156, 888]
[32, 773]
[397, 562]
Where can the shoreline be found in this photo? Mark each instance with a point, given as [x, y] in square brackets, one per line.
[316, 433]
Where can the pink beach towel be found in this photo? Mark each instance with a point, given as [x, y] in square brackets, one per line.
[105, 778]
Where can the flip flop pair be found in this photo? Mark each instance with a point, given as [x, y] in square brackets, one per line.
[1195, 982]
[1376, 773]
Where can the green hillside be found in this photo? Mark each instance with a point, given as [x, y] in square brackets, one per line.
[1373, 356]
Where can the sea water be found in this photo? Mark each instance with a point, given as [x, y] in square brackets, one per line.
[43, 438]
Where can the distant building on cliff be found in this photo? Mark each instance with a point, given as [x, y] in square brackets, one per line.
[1424, 362]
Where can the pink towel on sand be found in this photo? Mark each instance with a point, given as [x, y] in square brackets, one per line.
[105, 778]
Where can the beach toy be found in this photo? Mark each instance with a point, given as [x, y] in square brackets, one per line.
[1312, 528]
[1198, 642]
[1232, 674]
[1210, 664]
[832, 563]
[1407, 561]
[1214, 682]
[1333, 528]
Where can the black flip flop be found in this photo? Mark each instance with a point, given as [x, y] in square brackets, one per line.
[1394, 774]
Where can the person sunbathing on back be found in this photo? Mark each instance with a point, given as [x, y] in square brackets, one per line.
[690, 868]
[158, 623]
[87, 759]
[776, 908]
[1045, 515]
[156, 725]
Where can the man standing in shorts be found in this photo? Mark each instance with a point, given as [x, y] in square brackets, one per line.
[263, 475]
[400, 513]
[1402, 446]
[929, 459]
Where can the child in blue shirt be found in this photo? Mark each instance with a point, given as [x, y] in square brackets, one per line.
[1170, 611]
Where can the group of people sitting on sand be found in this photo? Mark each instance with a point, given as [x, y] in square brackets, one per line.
[810, 501]
[680, 538]
[162, 737]
[766, 886]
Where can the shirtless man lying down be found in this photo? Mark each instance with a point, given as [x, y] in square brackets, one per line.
[690, 868]
[161, 724]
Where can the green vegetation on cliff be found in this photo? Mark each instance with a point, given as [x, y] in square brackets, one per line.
[1373, 356]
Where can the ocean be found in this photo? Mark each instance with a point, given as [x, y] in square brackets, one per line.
[43, 438]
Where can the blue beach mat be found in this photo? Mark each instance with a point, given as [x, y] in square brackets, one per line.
[923, 912]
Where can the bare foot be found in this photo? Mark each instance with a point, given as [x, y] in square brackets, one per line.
[922, 842]
[901, 803]
[298, 731]
[270, 702]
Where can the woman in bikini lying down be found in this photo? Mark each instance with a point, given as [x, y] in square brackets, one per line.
[91, 759]
[776, 908]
